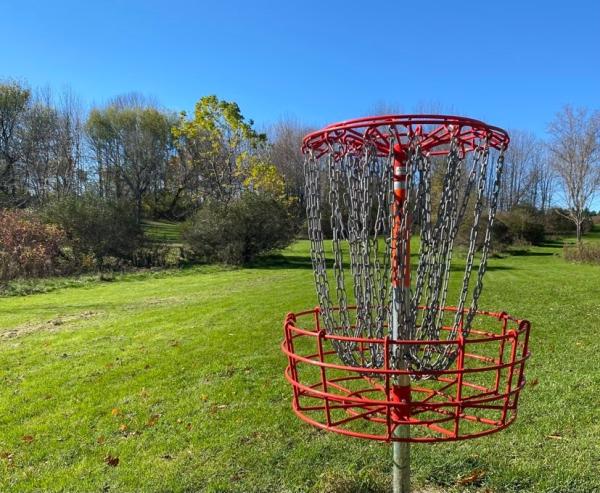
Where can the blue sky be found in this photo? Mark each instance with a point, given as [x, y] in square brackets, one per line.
[511, 63]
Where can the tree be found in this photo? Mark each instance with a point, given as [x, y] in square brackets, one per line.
[132, 147]
[575, 155]
[14, 101]
[216, 148]
[285, 153]
[542, 180]
[520, 173]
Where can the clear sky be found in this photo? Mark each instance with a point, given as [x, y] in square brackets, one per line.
[511, 63]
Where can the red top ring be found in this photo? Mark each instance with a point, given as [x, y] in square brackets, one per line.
[431, 133]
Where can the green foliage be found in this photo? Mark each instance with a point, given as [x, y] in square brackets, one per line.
[132, 146]
[216, 149]
[222, 121]
[556, 222]
[238, 232]
[521, 224]
[97, 226]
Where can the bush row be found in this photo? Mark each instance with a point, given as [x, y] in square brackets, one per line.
[88, 233]
[530, 226]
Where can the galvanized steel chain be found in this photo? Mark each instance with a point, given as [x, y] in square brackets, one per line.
[359, 195]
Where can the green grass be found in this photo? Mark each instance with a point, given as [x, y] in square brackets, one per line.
[179, 375]
[163, 231]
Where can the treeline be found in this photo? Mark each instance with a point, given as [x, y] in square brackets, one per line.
[548, 186]
[165, 164]
[85, 179]
[96, 175]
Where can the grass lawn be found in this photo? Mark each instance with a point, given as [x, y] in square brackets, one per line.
[174, 382]
[163, 231]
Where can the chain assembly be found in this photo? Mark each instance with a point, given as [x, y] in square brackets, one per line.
[361, 239]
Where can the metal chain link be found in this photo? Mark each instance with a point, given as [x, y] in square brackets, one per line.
[359, 193]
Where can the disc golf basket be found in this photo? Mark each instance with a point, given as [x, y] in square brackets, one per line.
[397, 349]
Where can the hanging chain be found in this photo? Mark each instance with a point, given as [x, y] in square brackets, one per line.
[357, 195]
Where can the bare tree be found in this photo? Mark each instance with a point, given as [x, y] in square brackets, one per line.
[519, 177]
[575, 156]
[542, 179]
[69, 172]
[286, 154]
[14, 102]
[38, 147]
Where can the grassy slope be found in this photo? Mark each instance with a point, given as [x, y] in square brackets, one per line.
[163, 231]
[180, 377]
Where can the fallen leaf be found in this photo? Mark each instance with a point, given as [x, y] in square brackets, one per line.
[189, 426]
[123, 427]
[153, 420]
[7, 456]
[555, 437]
[174, 343]
[27, 438]
[116, 411]
[100, 440]
[534, 382]
[474, 477]
[111, 461]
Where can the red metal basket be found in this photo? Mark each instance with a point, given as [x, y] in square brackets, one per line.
[476, 396]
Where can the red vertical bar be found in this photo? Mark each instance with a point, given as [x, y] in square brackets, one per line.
[525, 324]
[501, 353]
[511, 369]
[388, 396]
[459, 382]
[324, 376]
[289, 319]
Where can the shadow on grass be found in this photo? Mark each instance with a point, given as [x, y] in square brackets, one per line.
[279, 261]
[529, 253]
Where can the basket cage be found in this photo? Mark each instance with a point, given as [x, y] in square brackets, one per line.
[385, 348]
[476, 396]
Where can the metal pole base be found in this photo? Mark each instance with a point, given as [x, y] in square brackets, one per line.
[401, 462]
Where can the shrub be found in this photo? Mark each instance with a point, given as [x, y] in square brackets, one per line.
[583, 252]
[523, 224]
[556, 223]
[157, 255]
[236, 233]
[28, 247]
[96, 226]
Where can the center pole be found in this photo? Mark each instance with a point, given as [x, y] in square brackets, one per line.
[400, 286]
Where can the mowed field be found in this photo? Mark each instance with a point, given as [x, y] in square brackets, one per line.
[173, 381]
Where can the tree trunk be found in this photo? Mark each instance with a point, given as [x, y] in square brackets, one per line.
[138, 209]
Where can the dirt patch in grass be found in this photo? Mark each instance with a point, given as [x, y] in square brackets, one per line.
[52, 325]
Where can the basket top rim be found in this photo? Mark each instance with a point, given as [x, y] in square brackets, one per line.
[385, 130]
